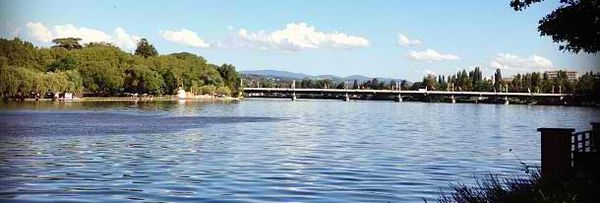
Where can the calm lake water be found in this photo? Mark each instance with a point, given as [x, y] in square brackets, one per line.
[264, 150]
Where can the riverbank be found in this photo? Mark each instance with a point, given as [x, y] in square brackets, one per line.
[149, 98]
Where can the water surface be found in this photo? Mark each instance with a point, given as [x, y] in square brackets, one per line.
[264, 150]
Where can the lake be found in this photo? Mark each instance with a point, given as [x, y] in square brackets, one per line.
[263, 150]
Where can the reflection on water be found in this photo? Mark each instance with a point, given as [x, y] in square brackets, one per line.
[263, 150]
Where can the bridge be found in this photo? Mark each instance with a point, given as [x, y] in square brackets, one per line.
[293, 92]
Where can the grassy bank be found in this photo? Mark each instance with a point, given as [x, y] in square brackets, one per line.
[583, 188]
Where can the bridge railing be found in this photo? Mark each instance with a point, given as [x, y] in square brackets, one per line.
[430, 92]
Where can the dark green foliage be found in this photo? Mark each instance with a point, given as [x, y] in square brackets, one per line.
[64, 63]
[103, 69]
[498, 80]
[170, 82]
[145, 49]
[68, 43]
[140, 79]
[430, 82]
[99, 77]
[576, 23]
[230, 77]
[21, 53]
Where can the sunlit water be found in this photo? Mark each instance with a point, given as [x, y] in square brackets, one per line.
[264, 150]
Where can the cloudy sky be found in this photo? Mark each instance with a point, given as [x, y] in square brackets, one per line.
[376, 38]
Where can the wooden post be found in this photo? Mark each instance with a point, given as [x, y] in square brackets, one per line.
[556, 152]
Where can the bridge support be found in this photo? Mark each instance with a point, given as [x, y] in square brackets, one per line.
[347, 97]
[453, 100]
[399, 99]
[506, 102]
[294, 90]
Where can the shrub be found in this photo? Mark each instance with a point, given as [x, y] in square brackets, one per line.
[223, 91]
[208, 89]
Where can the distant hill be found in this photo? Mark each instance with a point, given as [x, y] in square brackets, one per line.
[275, 73]
[286, 75]
[357, 77]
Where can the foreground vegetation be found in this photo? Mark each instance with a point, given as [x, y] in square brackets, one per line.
[101, 69]
[584, 187]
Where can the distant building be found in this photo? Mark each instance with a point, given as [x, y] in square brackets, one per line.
[571, 75]
[507, 80]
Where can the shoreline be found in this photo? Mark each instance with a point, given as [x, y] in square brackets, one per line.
[118, 99]
[206, 98]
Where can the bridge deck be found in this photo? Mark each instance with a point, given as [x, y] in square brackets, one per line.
[362, 91]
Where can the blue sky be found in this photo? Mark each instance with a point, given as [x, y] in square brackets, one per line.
[314, 37]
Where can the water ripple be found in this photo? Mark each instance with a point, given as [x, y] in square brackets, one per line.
[264, 151]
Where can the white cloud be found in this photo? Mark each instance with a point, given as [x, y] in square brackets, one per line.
[431, 55]
[185, 37]
[405, 41]
[86, 34]
[123, 39]
[506, 61]
[295, 36]
[429, 72]
[40, 32]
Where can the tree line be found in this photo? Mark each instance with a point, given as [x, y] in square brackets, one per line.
[102, 69]
[534, 82]
[374, 83]
[464, 80]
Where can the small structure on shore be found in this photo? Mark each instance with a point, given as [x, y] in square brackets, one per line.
[68, 96]
[181, 93]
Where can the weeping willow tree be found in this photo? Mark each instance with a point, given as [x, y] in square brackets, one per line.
[103, 69]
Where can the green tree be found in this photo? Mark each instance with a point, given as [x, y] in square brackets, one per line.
[575, 24]
[208, 89]
[170, 82]
[588, 83]
[223, 91]
[140, 79]
[145, 49]
[498, 80]
[231, 78]
[64, 63]
[430, 82]
[68, 43]
[104, 69]
[101, 78]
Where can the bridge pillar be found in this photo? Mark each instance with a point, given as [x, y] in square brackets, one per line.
[506, 102]
[399, 98]
[347, 97]
[293, 90]
[453, 99]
